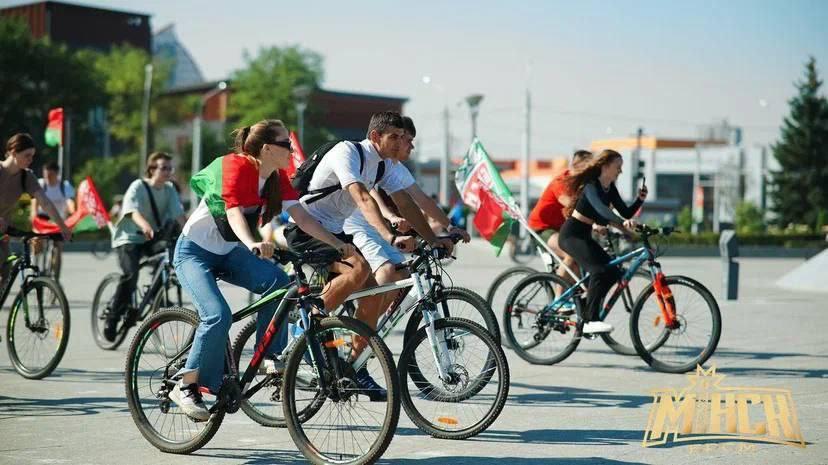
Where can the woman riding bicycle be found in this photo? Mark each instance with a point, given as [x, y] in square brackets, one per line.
[238, 191]
[15, 179]
[594, 187]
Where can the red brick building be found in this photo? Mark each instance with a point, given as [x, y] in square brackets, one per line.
[83, 27]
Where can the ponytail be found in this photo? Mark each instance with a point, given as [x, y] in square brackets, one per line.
[240, 138]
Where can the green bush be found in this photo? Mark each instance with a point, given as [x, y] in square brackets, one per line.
[749, 219]
[788, 240]
[684, 222]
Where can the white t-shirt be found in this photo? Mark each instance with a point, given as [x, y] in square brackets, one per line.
[56, 196]
[201, 227]
[341, 166]
[400, 176]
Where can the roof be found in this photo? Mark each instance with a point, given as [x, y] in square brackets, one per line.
[76, 5]
[650, 142]
[363, 96]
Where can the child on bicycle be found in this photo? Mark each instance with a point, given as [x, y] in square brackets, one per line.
[238, 191]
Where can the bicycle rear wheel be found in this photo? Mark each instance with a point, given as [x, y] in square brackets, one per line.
[694, 337]
[473, 395]
[347, 428]
[38, 329]
[100, 307]
[158, 350]
[502, 286]
[537, 332]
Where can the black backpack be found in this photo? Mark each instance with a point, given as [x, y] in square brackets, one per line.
[301, 180]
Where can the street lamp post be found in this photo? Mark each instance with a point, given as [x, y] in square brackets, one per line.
[300, 95]
[142, 157]
[196, 161]
[474, 107]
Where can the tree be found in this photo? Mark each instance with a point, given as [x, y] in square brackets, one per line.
[38, 75]
[264, 88]
[800, 187]
[121, 72]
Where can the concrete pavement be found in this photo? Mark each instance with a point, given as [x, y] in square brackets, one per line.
[592, 408]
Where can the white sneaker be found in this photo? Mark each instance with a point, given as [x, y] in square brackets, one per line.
[188, 399]
[596, 327]
[271, 367]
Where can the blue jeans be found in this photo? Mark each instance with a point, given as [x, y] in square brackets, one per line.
[197, 270]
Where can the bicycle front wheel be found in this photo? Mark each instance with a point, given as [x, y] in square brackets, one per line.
[158, 350]
[461, 303]
[470, 395]
[100, 308]
[687, 343]
[347, 428]
[38, 328]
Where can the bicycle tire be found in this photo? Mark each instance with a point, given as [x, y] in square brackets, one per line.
[497, 307]
[482, 313]
[296, 424]
[619, 339]
[133, 393]
[657, 362]
[426, 390]
[547, 283]
[96, 317]
[524, 250]
[61, 329]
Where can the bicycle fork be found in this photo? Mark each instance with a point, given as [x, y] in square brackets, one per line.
[664, 297]
[439, 345]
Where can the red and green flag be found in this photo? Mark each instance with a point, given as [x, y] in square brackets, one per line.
[297, 156]
[484, 191]
[90, 214]
[54, 128]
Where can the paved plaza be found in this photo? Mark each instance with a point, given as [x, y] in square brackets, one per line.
[592, 408]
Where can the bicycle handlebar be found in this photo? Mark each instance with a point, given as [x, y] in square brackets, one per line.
[648, 231]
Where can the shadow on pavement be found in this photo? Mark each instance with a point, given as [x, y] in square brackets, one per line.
[471, 460]
[604, 437]
[77, 376]
[726, 370]
[14, 407]
[562, 396]
[252, 456]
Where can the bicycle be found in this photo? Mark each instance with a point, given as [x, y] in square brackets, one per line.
[659, 321]
[38, 328]
[439, 308]
[319, 389]
[619, 340]
[162, 290]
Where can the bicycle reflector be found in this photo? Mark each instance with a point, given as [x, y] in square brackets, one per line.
[448, 421]
[338, 342]
[59, 331]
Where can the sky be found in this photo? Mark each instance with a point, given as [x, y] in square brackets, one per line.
[594, 69]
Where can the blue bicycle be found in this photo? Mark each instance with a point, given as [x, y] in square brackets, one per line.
[675, 322]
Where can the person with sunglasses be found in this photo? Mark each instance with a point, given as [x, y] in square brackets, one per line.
[239, 191]
[149, 203]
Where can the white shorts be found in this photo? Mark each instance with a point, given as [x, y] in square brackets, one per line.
[376, 250]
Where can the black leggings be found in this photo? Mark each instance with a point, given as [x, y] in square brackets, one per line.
[576, 240]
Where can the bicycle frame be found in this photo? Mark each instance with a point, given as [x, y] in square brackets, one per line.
[637, 257]
[19, 265]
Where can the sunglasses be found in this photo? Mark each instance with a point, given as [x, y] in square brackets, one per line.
[285, 144]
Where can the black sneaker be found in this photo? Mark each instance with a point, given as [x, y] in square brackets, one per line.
[110, 330]
[369, 387]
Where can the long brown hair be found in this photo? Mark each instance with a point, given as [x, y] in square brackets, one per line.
[589, 172]
[249, 141]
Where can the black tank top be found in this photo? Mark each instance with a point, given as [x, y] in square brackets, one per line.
[594, 203]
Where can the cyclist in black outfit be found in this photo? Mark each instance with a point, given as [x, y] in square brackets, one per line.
[594, 187]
